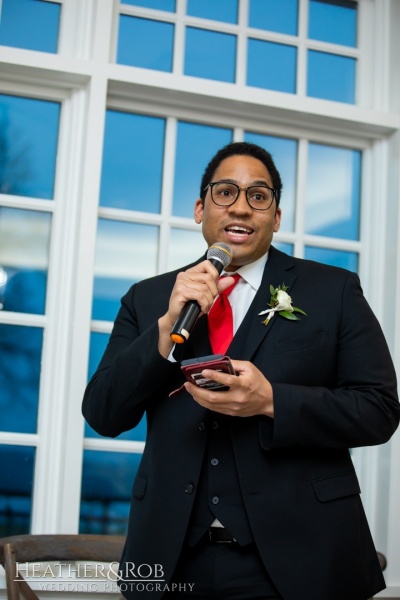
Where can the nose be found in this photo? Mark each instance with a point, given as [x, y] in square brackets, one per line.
[240, 205]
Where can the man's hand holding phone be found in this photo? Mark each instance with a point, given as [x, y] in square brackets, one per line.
[230, 387]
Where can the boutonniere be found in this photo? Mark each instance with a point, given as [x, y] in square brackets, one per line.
[281, 303]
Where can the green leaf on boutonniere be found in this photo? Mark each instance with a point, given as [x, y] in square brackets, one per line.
[288, 315]
[281, 303]
[295, 309]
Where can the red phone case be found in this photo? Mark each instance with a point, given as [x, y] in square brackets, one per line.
[193, 368]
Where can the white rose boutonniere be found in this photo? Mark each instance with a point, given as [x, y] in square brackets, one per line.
[281, 303]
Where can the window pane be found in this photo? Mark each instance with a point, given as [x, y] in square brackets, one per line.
[274, 15]
[16, 484]
[168, 5]
[223, 10]
[132, 162]
[20, 357]
[24, 259]
[333, 21]
[106, 500]
[335, 258]
[284, 154]
[30, 24]
[331, 77]
[284, 247]
[210, 54]
[185, 247]
[196, 144]
[28, 146]
[271, 66]
[125, 254]
[145, 43]
[333, 192]
[98, 343]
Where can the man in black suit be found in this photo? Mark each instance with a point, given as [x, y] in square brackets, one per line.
[249, 493]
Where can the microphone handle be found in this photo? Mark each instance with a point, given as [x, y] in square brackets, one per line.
[186, 321]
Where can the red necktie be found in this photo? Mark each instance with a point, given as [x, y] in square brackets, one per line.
[220, 321]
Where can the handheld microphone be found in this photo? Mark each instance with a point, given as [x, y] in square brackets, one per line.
[219, 255]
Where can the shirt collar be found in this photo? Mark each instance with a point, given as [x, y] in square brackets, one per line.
[253, 272]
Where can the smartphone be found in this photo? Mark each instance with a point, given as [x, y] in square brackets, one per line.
[193, 367]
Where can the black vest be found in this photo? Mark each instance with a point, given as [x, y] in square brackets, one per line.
[218, 493]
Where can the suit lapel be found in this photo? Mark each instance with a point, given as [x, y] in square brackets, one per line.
[279, 270]
[198, 341]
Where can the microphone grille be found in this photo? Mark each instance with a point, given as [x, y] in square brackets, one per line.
[221, 252]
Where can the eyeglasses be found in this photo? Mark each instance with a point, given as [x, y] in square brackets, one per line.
[259, 197]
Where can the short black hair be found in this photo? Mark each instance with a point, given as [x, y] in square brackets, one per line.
[244, 149]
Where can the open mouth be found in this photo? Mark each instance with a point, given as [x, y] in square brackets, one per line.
[239, 231]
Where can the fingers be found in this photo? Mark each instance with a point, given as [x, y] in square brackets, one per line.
[220, 402]
[249, 394]
[201, 283]
[198, 284]
[224, 283]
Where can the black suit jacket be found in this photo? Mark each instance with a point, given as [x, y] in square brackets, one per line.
[334, 388]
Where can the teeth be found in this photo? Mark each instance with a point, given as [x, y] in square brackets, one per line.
[237, 229]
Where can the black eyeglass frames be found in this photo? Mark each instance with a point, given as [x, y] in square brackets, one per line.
[259, 197]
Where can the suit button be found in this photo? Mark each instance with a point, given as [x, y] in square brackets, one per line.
[214, 462]
[189, 488]
[201, 426]
[215, 424]
[215, 500]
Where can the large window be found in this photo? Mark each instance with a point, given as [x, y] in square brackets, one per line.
[261, 43]
[109, 112]
[28, 140]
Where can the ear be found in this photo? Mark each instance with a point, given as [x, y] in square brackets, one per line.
[198, 210]
[277, 219]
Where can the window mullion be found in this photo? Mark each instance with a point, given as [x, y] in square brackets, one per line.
[301, 72]
[167, 192]
[301, 191]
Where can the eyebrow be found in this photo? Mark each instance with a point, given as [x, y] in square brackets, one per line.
[257, 182]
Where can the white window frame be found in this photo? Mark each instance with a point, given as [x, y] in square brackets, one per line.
[82, 78]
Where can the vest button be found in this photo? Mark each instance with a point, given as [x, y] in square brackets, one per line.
[214, 462]
[189, 488]
[201, 426]
[215, 500]
[215, 424]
